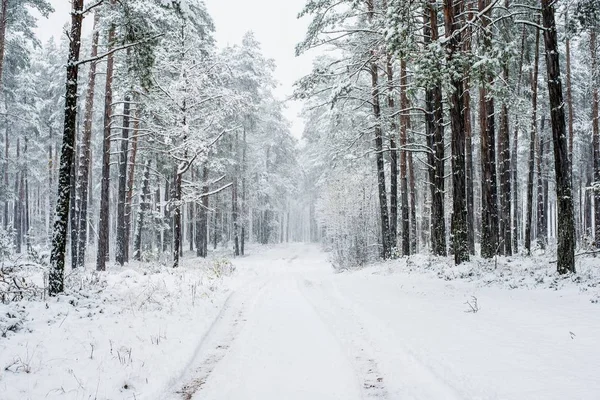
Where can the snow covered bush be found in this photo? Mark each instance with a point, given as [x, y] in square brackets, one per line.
[345, 209]
[220, 267]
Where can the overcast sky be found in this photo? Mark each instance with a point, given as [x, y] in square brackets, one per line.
[274, 23]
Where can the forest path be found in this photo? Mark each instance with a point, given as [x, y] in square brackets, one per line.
[294, 329]
[289, 333]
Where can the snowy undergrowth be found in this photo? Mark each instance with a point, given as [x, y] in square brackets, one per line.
[538, 271]
[122, 334]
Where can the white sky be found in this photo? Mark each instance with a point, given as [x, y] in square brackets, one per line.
[274, 23]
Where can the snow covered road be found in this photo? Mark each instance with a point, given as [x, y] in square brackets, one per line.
[296, 330]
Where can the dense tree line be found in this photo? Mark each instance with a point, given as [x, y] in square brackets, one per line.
[164, 139]
[492, 160]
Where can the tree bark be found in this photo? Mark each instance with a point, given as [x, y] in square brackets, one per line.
[595, 138]
[435, 141]
[104, 223]
[85, 156]
[120, 255]
[131, 180]
[3, 23]
[393, 156]
[469, 138]
[404, 122]
[505, 178]
[5, 174]
[59, 237]
[144, 208]
[489, 191]
[564, 194]
[17, 205]
[460, 245]
[542, 193]
[532, 144]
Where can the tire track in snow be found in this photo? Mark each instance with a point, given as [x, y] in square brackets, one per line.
[216, 342]
[351, 333]
[413, 378]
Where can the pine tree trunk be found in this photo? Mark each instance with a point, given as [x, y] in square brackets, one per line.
[564, 194]
[205, 204]
[595, 139]
[244, 205]
[25, 196]
[542, 198]
[59, 237]
[5, 175]
[435, 142]
[104, 222]
[73, 213]
[569, 92]
[469, 139]
[144, 208]
[176, 200]
[404, 122]
[85, 156]
[17, 205]
[381, 183]
[532, 144]
[413, 205]
[459, 229]
[3, 23]
[505, 179]
[234, 200]
[517, 230]
[393, 157]
[131, 180]
[120, 255]
[489, 191]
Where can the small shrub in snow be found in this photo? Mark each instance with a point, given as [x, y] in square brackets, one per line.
[220, 267]
[473, 305]
[11, 319]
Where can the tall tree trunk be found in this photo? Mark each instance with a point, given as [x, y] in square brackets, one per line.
[5, 175]
[469, 136]
[244, 205]
[73, 213]
[85, 156]
[569, 101]
[381, 184]
[435, 141]
[17, 205]
[26, 210]
[413, 205]
[532, 144]
[131, 180]
[104, 223]
[515, 153]
[205, 204]
[505, 155]
[144, 208]
[489, 191]
[595, 138]
[59, 237]
[404, 122]
[564, 194]
[234, 199]
[3, 23]
[542, 192]
[505, 178]
[120, 255]
[51, 198]
[393, 156]
[176, 200]
[459, 228]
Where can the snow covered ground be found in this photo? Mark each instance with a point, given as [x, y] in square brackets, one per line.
[286, 326]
